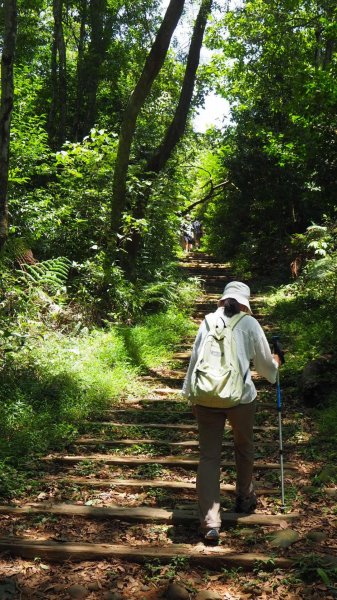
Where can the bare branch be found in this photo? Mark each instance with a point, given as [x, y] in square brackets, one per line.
[216, 189]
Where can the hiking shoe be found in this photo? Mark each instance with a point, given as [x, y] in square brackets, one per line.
[212, 536]
[245, 505]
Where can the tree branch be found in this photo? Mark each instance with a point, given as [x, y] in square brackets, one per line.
[216, 189]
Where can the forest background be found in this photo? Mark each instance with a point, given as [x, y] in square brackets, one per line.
[99, 164]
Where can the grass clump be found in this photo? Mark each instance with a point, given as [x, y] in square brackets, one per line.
[150, 343]
[48, 389]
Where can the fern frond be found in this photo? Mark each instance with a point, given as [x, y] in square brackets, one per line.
[50, 275]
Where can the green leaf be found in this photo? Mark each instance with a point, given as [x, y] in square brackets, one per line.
[323, 575]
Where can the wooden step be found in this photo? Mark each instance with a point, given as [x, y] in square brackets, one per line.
[144, 483]
[147, 413]
[172, 461]
[182, 355]
[181, 426]
[212, 558]
[170, 403]
[155, 442]
[167, 391]
[143, 514]
[205, 272]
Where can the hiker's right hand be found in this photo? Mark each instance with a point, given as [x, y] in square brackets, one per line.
[277, 358]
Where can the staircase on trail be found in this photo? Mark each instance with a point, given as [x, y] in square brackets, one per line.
[126, 487]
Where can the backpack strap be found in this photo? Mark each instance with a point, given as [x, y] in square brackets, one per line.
[235, 320]
[232, 323]
[211, 322]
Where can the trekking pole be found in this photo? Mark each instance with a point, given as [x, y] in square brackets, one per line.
[278, 350]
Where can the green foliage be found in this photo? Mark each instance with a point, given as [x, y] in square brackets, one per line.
[303, 329]
[73, 211]
[149, 471]
[317, 568]
[319, 276]
[87, 467]
[30, 152]
[153, 569]
[150, 343]
[50, 275]
[176, 564]
[275, 63]
[53, 380]
[305, 314]
[11, 481]
[327, 421]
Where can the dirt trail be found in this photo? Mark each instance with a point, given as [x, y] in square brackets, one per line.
[121, 501]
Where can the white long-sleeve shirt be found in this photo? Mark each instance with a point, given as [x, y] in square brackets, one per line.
[251, 345]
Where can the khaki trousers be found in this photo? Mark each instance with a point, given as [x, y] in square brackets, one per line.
[211, 423]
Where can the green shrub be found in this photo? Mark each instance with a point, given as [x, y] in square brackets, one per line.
[55, 381]
[12, 482]
[151, 342]
[306, 325]
[327, 422]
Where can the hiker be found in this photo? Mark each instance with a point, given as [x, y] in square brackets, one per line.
[197, 232]
[187, 234]
[247, 342]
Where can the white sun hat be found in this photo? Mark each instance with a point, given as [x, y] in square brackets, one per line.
[239, 291]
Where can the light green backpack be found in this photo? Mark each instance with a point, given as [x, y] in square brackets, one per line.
[216, 379]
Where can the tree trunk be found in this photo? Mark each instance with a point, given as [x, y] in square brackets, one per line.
[80, 71]
[90, 62]
[101, 33]
[6, 108]
[151, 69]
[176, 129]
[58, 108]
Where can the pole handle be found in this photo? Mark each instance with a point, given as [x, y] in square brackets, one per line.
[277, 349]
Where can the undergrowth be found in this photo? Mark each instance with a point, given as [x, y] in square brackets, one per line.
[54, 381]
[306, 327]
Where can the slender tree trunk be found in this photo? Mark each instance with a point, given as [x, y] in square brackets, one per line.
[330, 42]
[150, 71]
[177, 126]
[58, 108]
[80, 72]
[6, 108]
[101, 33]
[101, 24]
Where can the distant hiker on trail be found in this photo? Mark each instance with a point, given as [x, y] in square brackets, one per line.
[218, 384]
[197, 232]
[187, 234]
